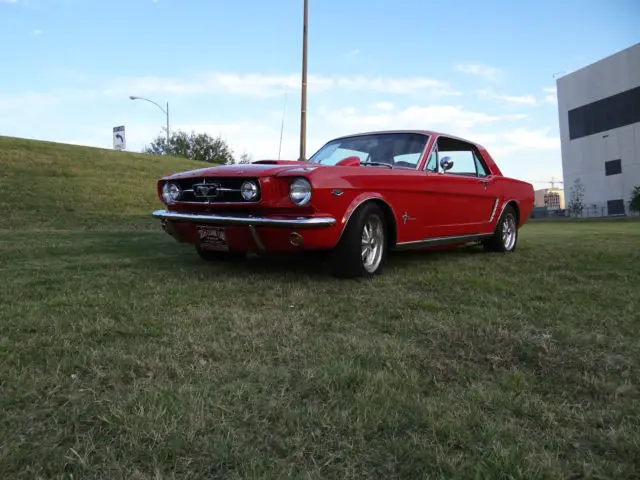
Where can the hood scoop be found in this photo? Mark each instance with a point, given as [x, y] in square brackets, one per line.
[276, 162]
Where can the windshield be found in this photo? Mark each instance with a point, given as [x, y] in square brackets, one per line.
[387, 149]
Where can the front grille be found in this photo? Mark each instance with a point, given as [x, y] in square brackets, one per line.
[214, 190]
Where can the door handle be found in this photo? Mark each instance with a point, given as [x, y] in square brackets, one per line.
[485, 182]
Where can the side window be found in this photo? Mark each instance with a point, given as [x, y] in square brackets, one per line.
[432, 164]
[409, 160]
[482, 172]
[466, 158]
[464, 162]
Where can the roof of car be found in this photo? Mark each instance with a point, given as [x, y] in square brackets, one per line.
[424, 132]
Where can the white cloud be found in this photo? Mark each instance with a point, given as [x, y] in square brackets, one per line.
[414, 117]
[548, 96]
[37, 31]
[527, 99]
[520, 99]
[27, 102]
[479, 70]
[385, 106]
[263, 85]
[249, 85]
[8, 1]
[521, 139]
[353, 53]
[551, 95]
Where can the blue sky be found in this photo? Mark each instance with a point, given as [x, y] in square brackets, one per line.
[483, 70]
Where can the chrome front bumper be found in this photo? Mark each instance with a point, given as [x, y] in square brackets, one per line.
[248, 220]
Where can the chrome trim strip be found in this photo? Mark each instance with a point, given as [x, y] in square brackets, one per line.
[424, 152]
[505, 206]
[493, 212]
[224, 219]
[248, 202]
[427, 155]
[443, 240]
[256, 238]
[222, 189]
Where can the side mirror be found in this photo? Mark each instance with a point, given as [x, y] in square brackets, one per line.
[446, 163]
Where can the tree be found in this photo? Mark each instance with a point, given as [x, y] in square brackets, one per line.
[576, 205]
[245, 158]
[195, 146]
[634, 203]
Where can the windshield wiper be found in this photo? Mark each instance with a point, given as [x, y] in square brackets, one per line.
[381, 164]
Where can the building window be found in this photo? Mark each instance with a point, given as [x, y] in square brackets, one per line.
[615, 207]
[607, 114]
[613, 167]
[552, 199]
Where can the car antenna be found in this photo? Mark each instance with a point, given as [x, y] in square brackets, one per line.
[284, 108]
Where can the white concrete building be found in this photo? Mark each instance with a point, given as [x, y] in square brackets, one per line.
[599, 113]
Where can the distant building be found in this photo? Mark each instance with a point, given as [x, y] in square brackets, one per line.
[599, 114]
[551, 198]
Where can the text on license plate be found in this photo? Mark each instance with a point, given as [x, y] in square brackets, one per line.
[212, 238]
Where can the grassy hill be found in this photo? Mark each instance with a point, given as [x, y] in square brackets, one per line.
[122, 355]
[48, 185]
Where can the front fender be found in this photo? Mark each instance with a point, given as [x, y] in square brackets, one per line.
[360, 200]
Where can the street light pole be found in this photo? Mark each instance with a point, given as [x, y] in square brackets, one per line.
[303, 106]
[166, 112]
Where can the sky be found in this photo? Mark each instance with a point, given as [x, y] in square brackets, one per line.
[480, 70]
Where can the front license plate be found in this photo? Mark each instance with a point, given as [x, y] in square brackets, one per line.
[213, 238]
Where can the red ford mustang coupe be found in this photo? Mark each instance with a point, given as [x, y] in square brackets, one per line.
[357, 198]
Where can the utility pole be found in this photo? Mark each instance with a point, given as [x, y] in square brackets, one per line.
[303, 106]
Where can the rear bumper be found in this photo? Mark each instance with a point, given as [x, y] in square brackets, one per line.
[246, 220]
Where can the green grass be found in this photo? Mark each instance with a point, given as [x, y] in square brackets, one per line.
[48, 185]
[122, 355]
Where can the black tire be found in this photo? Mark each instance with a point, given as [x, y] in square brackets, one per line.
[213, 256]
[500, 242]
[346, 258]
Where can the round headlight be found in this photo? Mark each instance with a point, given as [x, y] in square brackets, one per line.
[300, 191]
[249, 190]
[170, 192]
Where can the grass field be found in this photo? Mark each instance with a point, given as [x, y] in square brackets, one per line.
[122, 355]
[49, 185]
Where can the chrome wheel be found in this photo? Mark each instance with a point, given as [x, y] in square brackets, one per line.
[509, 232]
[372, 243]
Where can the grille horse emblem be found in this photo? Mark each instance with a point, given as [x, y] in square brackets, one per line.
[204, 190]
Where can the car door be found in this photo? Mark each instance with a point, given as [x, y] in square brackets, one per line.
[460, 198]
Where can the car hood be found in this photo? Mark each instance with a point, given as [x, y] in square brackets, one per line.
[262, 168]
